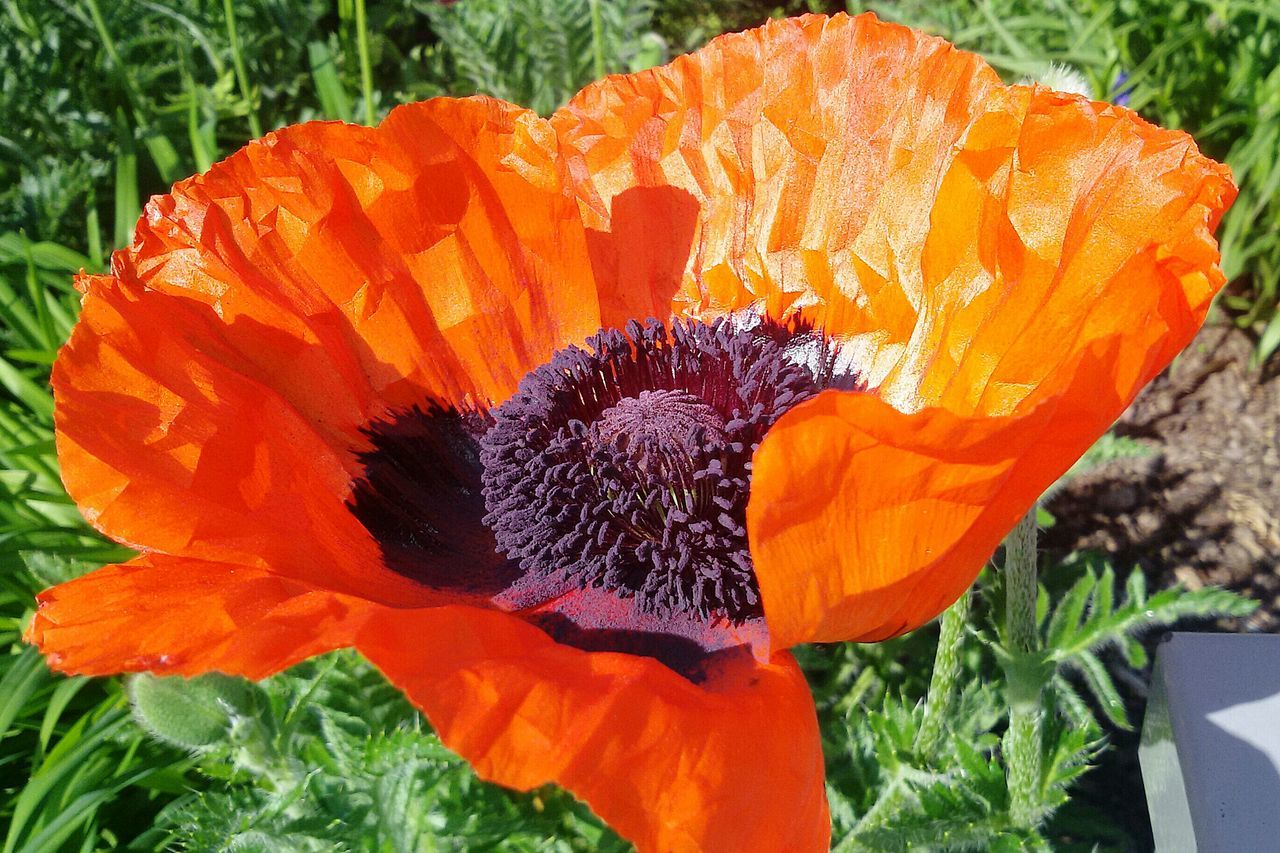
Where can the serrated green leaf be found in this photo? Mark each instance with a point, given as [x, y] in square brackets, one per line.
[1136, 588]
[1135, 653]
[1103, 688]
[1070, 610]
[1102, 604]
[1071, 703]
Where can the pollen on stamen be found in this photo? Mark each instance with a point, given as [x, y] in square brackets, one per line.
[627, 465]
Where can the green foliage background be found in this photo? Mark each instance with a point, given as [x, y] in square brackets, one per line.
[102, 105]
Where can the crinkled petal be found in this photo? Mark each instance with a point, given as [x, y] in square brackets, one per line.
[733, 763]
[1070, 258]
[211, 399]
[184, 617]
[789, 166]
[866, 522]
[1062, 226]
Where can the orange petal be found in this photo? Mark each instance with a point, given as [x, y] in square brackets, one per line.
[185, 617]
[1070, 258]
[164, 445]
[732, 764]
[793, 161]
[210, 399]
[1061, 226]
[866, 522]
[357, 268]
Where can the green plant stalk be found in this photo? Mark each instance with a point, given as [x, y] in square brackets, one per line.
[109, 45]
[366, 68]
[1025, 680]
[942, 683]
[237, 58]
[597, 38]
[1021, 585]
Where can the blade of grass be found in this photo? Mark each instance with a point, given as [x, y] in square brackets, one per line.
[127, 206]
[38, 298]
[237, 60]
[63, 761]
[597, 39]
[200, 149]
[333, 97]
[21, 680]
[366, 69]
[162, 152]
[58, 701]
[33, 396]
[93, 233]
[15, 315]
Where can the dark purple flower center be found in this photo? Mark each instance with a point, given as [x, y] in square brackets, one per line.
[660, 420]
[627, 465]
[606, 500]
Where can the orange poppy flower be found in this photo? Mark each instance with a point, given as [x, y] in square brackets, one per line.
[337, 394]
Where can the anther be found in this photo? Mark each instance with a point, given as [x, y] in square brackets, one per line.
[627, 466]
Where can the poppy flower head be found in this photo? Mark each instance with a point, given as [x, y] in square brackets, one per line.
[394, 388]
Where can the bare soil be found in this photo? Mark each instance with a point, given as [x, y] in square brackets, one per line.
[1204, 506]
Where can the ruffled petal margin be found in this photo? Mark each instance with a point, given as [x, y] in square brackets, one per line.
[732, 764]
[786, 164]
[175, 616]
[1071, 259]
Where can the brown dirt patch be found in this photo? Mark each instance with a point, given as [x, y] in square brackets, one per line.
[1204, 506]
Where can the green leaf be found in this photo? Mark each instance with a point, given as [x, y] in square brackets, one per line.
[1103, 688]
[128, 208]
[24, 673]
[58, 701]
[1107, 625]
[34, 396]
[334, 101]
[1067, 615]
[65, 760]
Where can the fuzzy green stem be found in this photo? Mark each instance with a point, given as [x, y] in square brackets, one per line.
[946, 672]
[1021, 584]
[237, 59]
[1021, 744]
[366, 67]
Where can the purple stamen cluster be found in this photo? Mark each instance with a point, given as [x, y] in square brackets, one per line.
[627, 466]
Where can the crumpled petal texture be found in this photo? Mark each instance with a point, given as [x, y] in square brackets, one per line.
[732, 764]
[178, 616]
[210, 399]
[1101, 267]
[978, 252]
[808, 149]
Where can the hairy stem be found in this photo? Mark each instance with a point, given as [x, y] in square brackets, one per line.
[1021, 584]
[946, 672]
[1021, 744]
